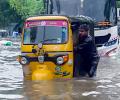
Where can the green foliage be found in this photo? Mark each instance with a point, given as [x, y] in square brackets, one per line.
[7, 15]
[15, 11]
[26, 8]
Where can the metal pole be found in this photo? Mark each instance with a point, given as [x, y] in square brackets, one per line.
[47, 2]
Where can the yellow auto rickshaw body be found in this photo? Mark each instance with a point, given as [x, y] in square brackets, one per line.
[45, 59]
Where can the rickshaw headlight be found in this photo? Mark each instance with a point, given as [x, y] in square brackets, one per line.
[24, 60]
[60, 60]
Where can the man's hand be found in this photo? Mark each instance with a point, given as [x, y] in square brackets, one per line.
[92, 72]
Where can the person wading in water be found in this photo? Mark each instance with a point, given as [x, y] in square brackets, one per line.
[86, 54]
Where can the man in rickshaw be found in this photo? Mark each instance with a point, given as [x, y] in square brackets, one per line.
[86, 55]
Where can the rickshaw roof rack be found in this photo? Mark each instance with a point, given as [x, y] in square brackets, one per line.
[76, 21]
[82, 19]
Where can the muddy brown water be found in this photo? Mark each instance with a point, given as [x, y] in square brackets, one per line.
[105, 86]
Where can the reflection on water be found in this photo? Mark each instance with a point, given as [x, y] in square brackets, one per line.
[106, 86]
[58, 89]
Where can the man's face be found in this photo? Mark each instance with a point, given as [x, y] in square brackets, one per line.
[83, 32]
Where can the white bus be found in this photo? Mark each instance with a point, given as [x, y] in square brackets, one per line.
[104, 13]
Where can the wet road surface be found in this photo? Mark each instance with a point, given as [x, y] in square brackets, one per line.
[106, 85]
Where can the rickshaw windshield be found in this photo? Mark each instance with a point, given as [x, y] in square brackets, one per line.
[46, 32]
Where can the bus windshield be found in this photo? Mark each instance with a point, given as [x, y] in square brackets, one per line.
[99, 10]
[46, 32]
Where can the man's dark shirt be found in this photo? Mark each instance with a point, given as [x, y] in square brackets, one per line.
[86, 48]
[86, 54]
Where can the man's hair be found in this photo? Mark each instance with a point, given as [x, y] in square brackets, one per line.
[84, 26]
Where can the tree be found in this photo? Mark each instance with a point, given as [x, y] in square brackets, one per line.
[26, 8]
[7, 15]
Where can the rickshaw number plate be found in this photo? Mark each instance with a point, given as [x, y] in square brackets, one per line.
[41, 59]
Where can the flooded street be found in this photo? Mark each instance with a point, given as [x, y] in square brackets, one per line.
[106, 86]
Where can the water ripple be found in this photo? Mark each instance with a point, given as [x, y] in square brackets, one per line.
[11, 96]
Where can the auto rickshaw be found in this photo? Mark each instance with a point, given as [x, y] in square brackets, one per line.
[47, 46]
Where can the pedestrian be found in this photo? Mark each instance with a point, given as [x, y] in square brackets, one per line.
[86, 55]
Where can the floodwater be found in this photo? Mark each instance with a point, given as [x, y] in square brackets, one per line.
[106, 85]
